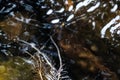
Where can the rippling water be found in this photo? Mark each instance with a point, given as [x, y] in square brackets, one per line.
[92, 24]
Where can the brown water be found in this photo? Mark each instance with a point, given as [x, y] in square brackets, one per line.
[86, 31]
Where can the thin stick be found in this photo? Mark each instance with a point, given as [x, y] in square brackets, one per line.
[37, 51]
[60, 60]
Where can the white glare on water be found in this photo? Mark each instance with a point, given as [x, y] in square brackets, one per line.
[70, 8]
[60, 11]
[114, 8]
[118, 32]
[55, 21]
[104, 29]
[93, 23]
[70, 17]
[114, 28]
[81, 4]
[93, 7]
[49, 12]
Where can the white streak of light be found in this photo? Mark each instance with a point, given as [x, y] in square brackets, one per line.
[93, 7]
[49, 12]
[103, 31]
[70, 8]
[114, 28]
[70, 17]
[55, 21]
[81, 4]
[114, 8]
[61, 10]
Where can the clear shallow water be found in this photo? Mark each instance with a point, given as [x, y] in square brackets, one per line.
[89, 27]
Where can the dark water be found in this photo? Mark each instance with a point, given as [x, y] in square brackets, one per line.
[86, 31]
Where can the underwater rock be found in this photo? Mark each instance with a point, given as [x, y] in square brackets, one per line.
[11, 27]
[81, 47]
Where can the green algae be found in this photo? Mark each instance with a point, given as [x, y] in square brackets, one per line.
[15, 69]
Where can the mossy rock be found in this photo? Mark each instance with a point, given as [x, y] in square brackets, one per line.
[15, 69]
